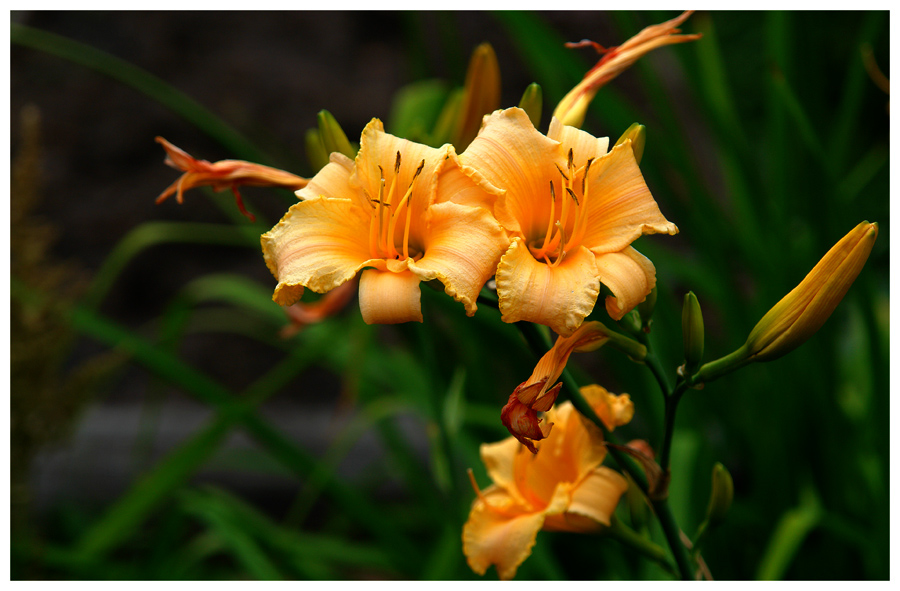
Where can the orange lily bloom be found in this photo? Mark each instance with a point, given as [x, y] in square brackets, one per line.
[572, 108]
[222, 175]
[562, 488]
[572, 210]
[537, 393]
[379, 215]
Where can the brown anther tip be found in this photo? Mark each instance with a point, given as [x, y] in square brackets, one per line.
[397, 163]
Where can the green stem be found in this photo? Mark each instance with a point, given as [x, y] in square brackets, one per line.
[669, 425]
[673, 537]
[630, 538]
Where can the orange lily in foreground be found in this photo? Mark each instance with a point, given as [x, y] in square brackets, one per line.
[572, 210]
[562, 488]
[222, 175]
[537, 393]
[572, 108]
[380, 215]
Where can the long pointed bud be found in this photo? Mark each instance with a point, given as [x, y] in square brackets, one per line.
[692, 331]
[482, 94]
[805, 309]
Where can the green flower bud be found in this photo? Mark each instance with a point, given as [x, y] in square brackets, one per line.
[637, 133]
[315, 149]
[532, 101]
[692, 331]
[721, 495]
[333, 137]
[645, 309]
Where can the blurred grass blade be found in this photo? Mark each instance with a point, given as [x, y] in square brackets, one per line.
[142, 81]
[297, 545]
[209, 391]
[853, 84]
[132, 508]
[236, 539]
[153, 233]
[801, 121]
[792, 529]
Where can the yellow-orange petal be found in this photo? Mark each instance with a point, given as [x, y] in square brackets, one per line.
[613, 410]
[584, 146]
[465, 188]
[379, 149]
[332, 180]
[319, 243]
[620, 207]
[499, 461]
[497, 538]
[386, 297]
[462, 248]
[511, 154]
[629, 275]
[597, 495]
[572, 451]
[559, 297]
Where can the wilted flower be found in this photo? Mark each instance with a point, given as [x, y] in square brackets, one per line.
[222, 175]
[572, 108]
[538, 392]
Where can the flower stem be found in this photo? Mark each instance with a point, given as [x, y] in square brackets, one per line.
[673, 537]
[630, 538]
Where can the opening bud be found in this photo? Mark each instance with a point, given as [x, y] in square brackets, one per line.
[637, 133]
[316, 154]
[333, 137]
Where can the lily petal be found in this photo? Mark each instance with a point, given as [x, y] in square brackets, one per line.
[613, 410]
[621, 207]
[584, 146]
[559, 297]
[387, 297]
[629, 275]
[332, 180]
[319, 243]
[511, 154]
[595, 497]
[462, 248]
[497, 538]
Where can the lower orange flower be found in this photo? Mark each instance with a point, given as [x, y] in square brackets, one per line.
[562, 488]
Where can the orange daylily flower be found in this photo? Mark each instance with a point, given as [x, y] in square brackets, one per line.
[572, 108]
[537, 393]
[562, 488]
[572, 210]
[222, 175]
[379, 215]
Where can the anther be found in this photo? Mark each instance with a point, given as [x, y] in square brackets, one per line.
[564, 175]
[572, 195]
[552, 191]
[397, 163]
[571, 159]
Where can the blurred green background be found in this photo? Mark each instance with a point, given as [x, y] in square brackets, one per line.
[161, 427]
